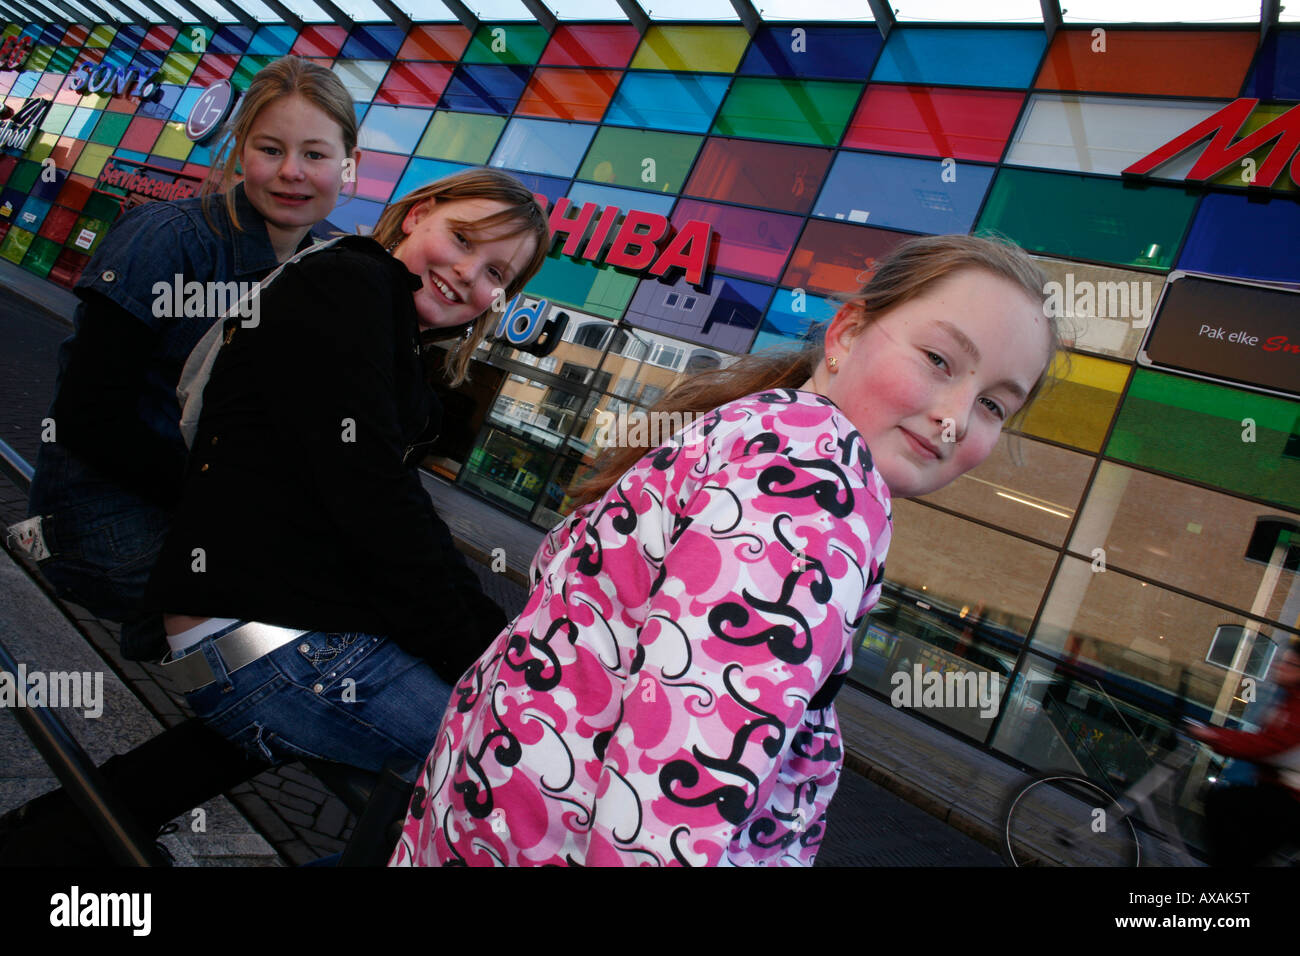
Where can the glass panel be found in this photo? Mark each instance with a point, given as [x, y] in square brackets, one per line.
[790, 318]
[795, 111]
[441, 42]
[392, 128]
[1003, 11]
[1276, 74]
[110, 128]
[1195, 430]
[507, 469]
[540, 146]
[640, 159]
[1078, 405]
[160, 38]
[17, 242]
[963, 124]
[66, 152]
[173, 143]
[230, 39]
[624, 199]
[1025, 486]
[837, 257]
[56, 119]
[673, 101]
[421, 172]
[67, 268]
[323, 41]
[1161, 11]
[709, 49]
[485, 88]
[747, 242]
[100, 36]
[591, 44]
[461, 137]
[1237, 175]
[1094, 134]
[373, 43]
[587, 9]
[352, 213]
[415, 84]
[959, 57]
[361, 77]
[32, 214]
[723, 314]
[814, 52]
[569, 94]
[600, 290]
[141, 134]
[39, 58]
[759, 174]
[40, 257]
[507, 43]
[272, 40]
[214, 66]
[916, 194]
[1100, 309]
[178, 67]
[248, 68]
[377, 174]
[1173, 63]
[693, 10]
[1098, 219]
[1236, 237]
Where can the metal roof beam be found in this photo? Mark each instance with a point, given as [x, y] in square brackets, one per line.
[633, 11]
[463, 13]
[1051, 17]
[543, 14]
[884, 16]
[394, 13]
[26, 13]
[48, 10]
[98, 11]
[748, 15]
[1268, 15]
[200, 15]
[239, 13]
[168, 18]
[285, 14]
[335, 14]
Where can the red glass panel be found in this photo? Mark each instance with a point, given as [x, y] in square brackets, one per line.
[834, 257]
[141, 134]
[67, 267]
[746, 242]
[445, 42]
[414, 84]
[68, 95]
[76, 36]
[1163, 63]
[58, 223]
[7, 164]
[213, 67]
[49, 84]
[378, 173]
[963, 124]
[759, 174]
[569, 94]
[93, 55]
[196, 171]
[319, 41]
[75, 191]
[591, 44]
[66, 152]
[159, 38]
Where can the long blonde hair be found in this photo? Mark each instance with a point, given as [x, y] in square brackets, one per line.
[523, 214]
[907, 272]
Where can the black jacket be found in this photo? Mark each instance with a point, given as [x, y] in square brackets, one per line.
[299, 506]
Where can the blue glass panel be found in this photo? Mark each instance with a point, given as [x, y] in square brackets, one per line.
[903, 193]
[189, 96]
[1004, 58]
[393, 129]
[32, 214]
[120, 59]
[32, 30]
[540, 146]
[82, 122]
[11, 200]
[548, 186]
[202, 152]
[272, 40]
[624, 199]
[1276, 75]
[230, 39]
[421, 172]
[166, 162]
[723, 314]
[373, 43]
[127, 38]
[128, 154]
[49, 190]
[25, 83]
[823, 52]
[1232, 236]
[53, 35]
[148, 60]
[348, 214]
[676, 101]
[164, 101]
[485, 88]
[791, 316]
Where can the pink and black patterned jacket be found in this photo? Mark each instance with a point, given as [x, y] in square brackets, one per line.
[650, 705]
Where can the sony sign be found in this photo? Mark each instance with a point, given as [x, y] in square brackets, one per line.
[97, 78]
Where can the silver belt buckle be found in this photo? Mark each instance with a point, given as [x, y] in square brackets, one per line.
[238, 648]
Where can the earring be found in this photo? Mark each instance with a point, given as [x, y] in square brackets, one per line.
[832, 363]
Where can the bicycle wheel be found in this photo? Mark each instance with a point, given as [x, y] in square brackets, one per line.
[1067, 821]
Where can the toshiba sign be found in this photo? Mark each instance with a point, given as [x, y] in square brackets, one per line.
[1222, 152]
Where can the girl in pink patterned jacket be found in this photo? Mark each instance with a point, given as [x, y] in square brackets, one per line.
[665, 695]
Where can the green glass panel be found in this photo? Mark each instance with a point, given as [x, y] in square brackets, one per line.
[794, 111]
[702, 49]
[461, 137]
[619, 157]
[507, 43]
[101, 36]
[57, 118]
[1088, 218]
[40, 257]
[193, 39]
[99, 206]
[15, 245]
[39, 59]
[63, 59]
[24, 175]
[247, 69]
[87, 228]
[177, 67]
[110, 128]
[599, 290]
[1232, 439]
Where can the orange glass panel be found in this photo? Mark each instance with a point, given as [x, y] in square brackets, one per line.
[1162, 63]
[569, 94]
[836, 257]
[445, 42]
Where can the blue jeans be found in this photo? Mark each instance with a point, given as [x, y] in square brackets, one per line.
[355, 699]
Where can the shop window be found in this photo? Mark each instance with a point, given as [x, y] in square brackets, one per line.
[569, 94]
[639, 159]
[961, 57]
[1233, 236]
[461, 137]
[834, 258]
[709, 49]
[392, 129]
[1276, 73]
[415, 84]
[724, 314]
[320, 41]
[1155, 62]
[747, 242]
[485, 88]
[1099, 219]
[444, 42]
[373, 42]
[538, 146]
[507, 43]
[759, 174]
[793, 111]
[591, 44]
[1194, 430]
[948, 123]
[916, 194]
[670, 101]
[814, 52]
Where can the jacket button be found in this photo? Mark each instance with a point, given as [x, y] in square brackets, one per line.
[318, 688]
[204, 467]
[108, 275]
[304, 648]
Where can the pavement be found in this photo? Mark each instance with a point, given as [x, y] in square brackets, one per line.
[917, 795]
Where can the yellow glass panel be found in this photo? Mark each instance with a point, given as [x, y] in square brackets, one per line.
[1076, 409]
[41, 147]
[173, 143]
[95, 101]
[177, 67]
[1240, 175]
[701, 49]
[92, 159]
[101, 36]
